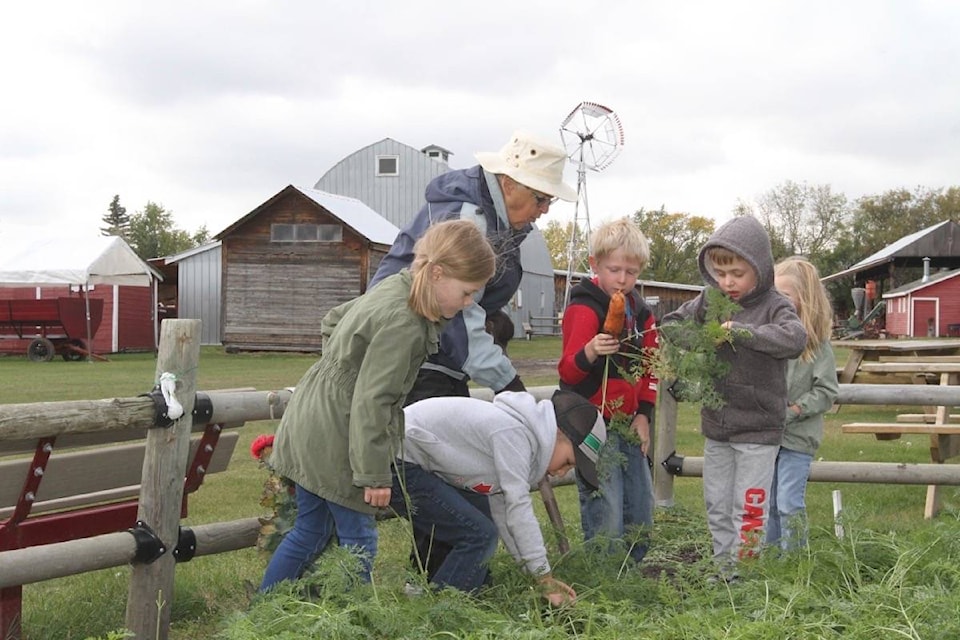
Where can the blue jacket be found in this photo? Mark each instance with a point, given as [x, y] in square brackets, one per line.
[466, 349]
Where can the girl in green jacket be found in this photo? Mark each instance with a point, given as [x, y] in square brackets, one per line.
[811, 390]
[344, 424]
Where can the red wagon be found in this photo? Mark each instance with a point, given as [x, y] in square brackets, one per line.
[57, 325]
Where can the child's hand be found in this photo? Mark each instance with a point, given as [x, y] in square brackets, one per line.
[602, 344]
[376, 496]
[556, 592]
[641, 427]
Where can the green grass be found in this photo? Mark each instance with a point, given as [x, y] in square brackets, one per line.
[892, 576]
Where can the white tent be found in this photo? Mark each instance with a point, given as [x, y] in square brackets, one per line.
[38, 257]
[64, 260]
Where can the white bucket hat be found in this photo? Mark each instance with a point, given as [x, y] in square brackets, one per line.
[531, 162]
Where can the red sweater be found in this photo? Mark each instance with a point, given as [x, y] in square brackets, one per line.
[582, 320]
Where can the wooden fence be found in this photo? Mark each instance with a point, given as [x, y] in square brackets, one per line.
[151, 585]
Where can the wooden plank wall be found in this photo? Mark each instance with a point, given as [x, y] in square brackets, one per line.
[276, 294]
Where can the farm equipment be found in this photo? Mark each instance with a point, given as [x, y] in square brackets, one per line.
[856, 328]
[53, 326]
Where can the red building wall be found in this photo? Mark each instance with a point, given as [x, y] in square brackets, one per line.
[134, 317]
[948, 293]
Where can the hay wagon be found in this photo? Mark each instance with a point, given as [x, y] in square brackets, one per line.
[57, 325]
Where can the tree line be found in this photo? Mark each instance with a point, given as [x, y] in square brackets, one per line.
[150, 232]
[802, 219]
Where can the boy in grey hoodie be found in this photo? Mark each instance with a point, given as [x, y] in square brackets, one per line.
[467, 468]
[743, 437]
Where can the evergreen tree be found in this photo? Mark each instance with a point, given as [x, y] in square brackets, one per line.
[117, 220]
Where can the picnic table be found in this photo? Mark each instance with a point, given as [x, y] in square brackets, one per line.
[922, 361]
[876, 350]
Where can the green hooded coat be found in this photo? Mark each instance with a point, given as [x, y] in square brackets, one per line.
[344, 424]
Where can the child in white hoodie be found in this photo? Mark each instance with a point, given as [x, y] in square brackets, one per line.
[467, 468]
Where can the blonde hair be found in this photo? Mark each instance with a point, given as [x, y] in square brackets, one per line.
[814, 310]
[460, 249]
[620, 234]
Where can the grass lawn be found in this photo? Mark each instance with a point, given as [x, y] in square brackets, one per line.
[212, 590]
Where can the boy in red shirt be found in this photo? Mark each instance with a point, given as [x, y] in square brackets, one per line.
[624, 502]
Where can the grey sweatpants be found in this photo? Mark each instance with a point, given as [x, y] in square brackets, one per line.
[736, 490]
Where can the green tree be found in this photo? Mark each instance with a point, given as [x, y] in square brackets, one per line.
[152, 233]
[116, 220]
[877, 221]
[801, 219]
[557, 237]
[883, 219]
[675, 241]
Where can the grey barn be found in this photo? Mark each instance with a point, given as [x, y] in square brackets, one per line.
[390, 177]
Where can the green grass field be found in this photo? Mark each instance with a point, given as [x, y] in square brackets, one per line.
[889, 547]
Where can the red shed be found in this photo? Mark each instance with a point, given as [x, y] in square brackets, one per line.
[105, 267]
[926, 307]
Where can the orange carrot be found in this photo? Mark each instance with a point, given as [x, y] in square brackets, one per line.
[616, 314]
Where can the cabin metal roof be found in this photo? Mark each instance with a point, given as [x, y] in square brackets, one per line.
[354, 214]
[941, 240]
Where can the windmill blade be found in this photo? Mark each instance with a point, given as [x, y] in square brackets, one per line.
[592, 135]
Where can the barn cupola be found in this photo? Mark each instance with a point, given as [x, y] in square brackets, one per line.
[437, 152]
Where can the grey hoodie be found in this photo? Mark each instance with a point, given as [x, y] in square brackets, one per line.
[755, 388]
[500, 448]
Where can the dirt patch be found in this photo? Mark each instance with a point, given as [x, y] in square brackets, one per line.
[529, 368]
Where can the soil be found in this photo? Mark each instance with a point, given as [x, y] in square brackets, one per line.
[532, 367]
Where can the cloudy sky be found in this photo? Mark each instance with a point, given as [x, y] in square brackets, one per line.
[211, 107]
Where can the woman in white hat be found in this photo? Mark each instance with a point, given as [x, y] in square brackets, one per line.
[503, 195]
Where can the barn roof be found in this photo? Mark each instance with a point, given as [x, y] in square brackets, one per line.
[918, 285]
[354, 214]
[940, 243]
[183, 255]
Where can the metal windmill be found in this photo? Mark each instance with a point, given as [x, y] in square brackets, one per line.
[592, 137]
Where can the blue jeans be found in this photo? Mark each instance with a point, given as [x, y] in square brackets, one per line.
[623, 502]
[317, 520]
[457, 521]
[787, 525]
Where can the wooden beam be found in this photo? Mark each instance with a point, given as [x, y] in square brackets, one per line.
[901, 428]
[46, 562]
[861, 472]
[150, 595]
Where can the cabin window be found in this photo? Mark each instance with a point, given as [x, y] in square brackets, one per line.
[306, 233]
[388, 165]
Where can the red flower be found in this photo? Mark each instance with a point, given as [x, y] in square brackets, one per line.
[260, 443]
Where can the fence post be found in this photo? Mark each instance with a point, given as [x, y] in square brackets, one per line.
[664, 444]
[150, 596]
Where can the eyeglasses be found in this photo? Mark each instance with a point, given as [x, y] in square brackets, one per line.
[541, 198]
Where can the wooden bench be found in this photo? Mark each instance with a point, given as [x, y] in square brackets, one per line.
[73, 486]
[916, 417]
[895, 429]
[911, 368]
[527, 330]
[933, 422]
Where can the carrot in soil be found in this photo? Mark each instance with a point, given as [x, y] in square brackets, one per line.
[616, 314]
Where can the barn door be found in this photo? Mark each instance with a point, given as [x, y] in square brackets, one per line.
[926, 320]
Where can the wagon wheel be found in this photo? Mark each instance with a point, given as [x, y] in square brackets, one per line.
[41, 350]
[73, 350]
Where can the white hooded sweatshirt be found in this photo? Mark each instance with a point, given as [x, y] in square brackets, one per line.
[500, 448]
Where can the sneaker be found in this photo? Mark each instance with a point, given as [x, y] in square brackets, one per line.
[728, 578]
[412, 590]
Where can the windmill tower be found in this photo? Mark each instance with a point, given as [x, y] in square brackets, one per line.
[592, 137]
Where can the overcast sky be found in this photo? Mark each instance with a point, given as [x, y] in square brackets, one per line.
[211, 107]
